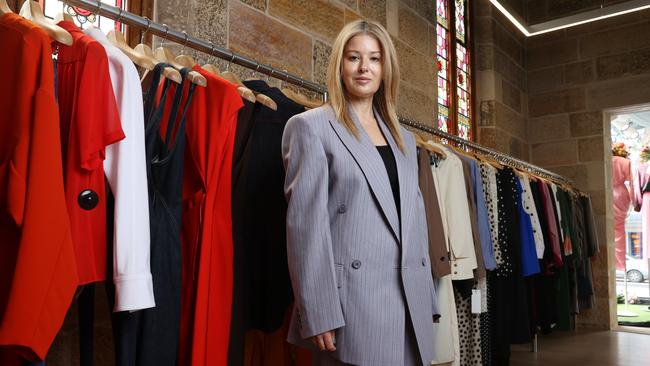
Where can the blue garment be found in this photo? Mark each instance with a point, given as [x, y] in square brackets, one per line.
[529, 261]
[482, 215]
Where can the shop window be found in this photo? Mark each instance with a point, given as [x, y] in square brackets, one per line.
[455, 111]
[82, 17]
[635, 243]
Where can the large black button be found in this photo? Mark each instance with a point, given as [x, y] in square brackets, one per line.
[442, 259]
[88, 199]
[342, 209]
[356, 264]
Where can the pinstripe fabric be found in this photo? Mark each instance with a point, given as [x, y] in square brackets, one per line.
[354, 266]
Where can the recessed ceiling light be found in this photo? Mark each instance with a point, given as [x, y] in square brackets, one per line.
[572, 20]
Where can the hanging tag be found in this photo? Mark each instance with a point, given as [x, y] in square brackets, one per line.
[476, 302]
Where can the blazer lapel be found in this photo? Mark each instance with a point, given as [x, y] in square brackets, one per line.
[367, 157]
[404, 189]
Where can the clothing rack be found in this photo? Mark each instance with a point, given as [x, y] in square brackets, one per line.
[499, 156]
[163, 31]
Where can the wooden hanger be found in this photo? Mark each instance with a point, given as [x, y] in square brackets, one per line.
[32, 10]
[243, 91]
[436, 148]
[183, 59]
[166, 55]
[210, 67]
[301, 99]
[419, 140]
[168, 72]
[117, 39]
[4, 7]
[259, 97]
[489, 160]
[264, 99]
[463, 152]
[141, 59]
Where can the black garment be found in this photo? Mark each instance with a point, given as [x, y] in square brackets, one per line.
[508, 298]
[240, 300]
[261, 284]
[391, 168]
[150, 336]
[545, 311]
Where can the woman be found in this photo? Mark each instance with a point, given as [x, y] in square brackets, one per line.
[356, 228]
[621, 173]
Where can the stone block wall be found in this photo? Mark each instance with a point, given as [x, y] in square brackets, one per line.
[297, 36]
[575, 78]
[501, 90]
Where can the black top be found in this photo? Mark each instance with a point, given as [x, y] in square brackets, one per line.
[391, 168]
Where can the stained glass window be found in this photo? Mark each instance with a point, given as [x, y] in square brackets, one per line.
[460, 20]
[454, 68]
[442, 11]
[82, 17]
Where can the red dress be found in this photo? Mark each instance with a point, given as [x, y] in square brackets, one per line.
[89, 122]
[38, 275]
[207, 223]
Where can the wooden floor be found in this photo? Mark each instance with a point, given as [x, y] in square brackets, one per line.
[602, 348]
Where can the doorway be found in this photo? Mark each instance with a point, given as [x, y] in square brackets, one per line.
[630, 133]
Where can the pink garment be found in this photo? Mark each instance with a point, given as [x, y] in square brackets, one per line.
[642, 202]
[621, 173]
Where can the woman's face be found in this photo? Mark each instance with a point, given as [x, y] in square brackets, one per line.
[362, 66]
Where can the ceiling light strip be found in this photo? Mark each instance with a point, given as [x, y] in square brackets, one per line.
[573, 20]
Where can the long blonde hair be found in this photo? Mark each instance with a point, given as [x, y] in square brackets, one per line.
[385, 99]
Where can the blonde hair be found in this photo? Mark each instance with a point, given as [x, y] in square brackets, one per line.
[385, 99]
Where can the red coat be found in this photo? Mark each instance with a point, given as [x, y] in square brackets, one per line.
[38, 274]
[207, 223]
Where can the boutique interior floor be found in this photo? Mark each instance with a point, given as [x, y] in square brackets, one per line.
[593, 348]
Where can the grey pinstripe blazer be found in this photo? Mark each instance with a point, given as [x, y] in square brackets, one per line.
[348, 252]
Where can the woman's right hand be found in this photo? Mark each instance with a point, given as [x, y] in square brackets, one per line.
[325, 341]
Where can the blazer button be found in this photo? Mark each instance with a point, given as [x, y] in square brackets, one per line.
[356, 264]
[424, 262]
[442, 259]
[342, 209]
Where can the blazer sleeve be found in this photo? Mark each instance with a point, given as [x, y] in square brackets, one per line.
[309, 241]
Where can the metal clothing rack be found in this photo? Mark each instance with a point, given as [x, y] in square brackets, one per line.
[163, 31]
[499, 156]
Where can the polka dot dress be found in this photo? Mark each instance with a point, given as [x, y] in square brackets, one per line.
[469, 331]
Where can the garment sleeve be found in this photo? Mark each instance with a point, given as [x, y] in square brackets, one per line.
[309, 242]
[96, 111]
[483, 221]
[126, 171]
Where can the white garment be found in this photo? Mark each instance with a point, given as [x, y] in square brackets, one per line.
[454, 210]
[531, 210]
[445, 332]
[126, 171]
